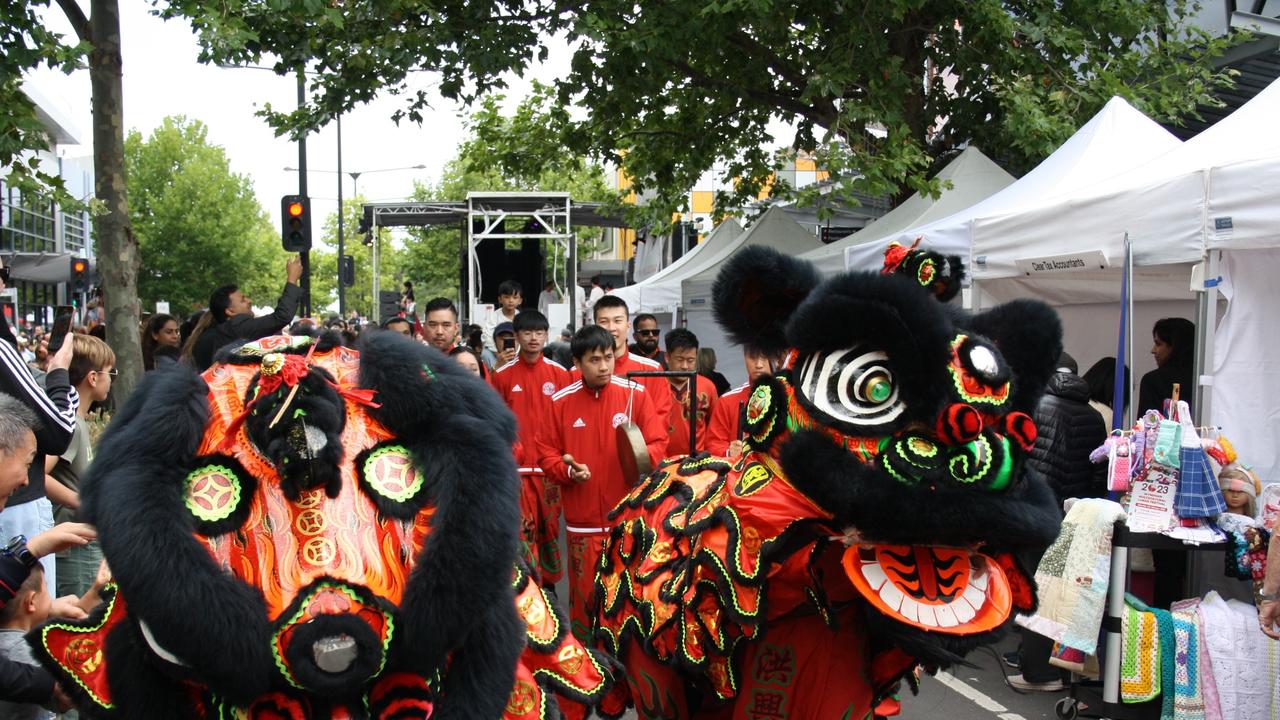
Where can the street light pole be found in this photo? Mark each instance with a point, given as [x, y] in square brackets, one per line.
[305, 255]
[342, 291]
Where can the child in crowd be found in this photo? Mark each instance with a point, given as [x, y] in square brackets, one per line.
[28, 608]
[91, 373]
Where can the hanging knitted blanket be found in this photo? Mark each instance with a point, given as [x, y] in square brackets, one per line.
[1072, 578]
[1188, 700]
[1140, 656]
[1244, 660]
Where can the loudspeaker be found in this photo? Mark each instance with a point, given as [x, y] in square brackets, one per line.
[525, 263]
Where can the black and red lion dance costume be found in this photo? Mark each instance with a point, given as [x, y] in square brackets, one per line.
[870, 526]
[308, 532]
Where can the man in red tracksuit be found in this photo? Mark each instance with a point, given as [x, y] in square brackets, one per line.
[578, 448]
[526, 384]
[682, 354]
[611, 313]
[724, 434]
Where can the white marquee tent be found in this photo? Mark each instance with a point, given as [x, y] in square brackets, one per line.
[1116, 139]
[1217, 191]
[774, 229]
[973, 177]
[660, 293]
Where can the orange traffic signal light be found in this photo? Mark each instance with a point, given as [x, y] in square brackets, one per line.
[295, 235]
[79, 275]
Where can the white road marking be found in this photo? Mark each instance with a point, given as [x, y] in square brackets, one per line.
[979, 698]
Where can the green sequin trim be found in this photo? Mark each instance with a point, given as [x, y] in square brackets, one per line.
[959, 465]
[213, 515]
[410, 490]
[44, 640]
[275, 646]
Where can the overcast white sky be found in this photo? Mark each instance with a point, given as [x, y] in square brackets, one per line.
[162, 77]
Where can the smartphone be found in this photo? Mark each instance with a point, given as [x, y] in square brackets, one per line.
[62, 318]
[508, 343]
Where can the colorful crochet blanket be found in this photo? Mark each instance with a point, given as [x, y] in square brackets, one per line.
[1188, 699]
[1139, 656]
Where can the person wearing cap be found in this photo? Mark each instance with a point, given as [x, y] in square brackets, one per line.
[504, 339]
[398, 324]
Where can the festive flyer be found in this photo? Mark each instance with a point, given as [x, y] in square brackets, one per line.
[1151, 501]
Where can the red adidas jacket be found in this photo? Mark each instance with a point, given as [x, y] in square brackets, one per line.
[583, 423]
[658, 388]
[679, 419]
[723, 427]
[527, 388]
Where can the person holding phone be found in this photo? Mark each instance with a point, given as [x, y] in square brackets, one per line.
[504, 339]
[230, 318]
[28, 511]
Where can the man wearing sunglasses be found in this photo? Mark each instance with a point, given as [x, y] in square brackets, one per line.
[646, 333]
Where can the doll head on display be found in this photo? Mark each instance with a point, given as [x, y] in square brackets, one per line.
[1240, 488]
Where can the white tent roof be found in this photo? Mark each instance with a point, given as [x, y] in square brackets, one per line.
[1169, 206]
[1246, 184]
[973, 177]
[1116, 139]
[774, 229]
[661, 291]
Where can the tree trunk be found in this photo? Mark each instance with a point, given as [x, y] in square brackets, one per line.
[117, 249]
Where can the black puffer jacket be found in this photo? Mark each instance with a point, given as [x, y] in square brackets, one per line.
[1069, 429]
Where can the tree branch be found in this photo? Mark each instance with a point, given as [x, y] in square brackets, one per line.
[76, 16]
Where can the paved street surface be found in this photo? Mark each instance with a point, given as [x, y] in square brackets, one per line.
[977, 693]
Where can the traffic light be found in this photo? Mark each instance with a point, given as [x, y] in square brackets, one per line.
[347, 271]
[295, 211]
[79, 275]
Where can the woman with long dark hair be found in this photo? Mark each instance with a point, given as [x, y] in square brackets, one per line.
[161, 341]
[1174, 348]
[1101, 378]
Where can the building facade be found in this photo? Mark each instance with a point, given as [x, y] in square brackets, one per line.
[39, 238]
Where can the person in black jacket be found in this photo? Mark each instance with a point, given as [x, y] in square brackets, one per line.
[230, 317]
[1068, 430]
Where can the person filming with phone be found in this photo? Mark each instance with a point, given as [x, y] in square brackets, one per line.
[28, 511]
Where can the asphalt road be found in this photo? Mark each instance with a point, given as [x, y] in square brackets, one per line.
[977, 693]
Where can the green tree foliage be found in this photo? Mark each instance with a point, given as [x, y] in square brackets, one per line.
[876, 91]
[28, 45]
[198, 223]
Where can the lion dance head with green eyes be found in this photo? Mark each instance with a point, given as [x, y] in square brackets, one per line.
[873, 523]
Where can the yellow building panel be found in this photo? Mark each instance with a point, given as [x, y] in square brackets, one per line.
[625, 245]
[804, 164]
[822, 175]
[702, 201]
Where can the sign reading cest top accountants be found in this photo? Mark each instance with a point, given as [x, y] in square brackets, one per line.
[1071, 262]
